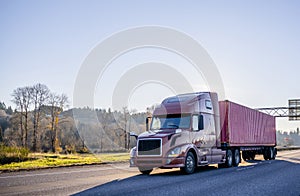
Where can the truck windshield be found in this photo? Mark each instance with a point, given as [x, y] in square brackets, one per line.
[171, 121]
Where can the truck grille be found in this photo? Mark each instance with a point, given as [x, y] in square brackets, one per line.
[150, 147]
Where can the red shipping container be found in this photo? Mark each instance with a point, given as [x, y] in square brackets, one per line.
[243, 126]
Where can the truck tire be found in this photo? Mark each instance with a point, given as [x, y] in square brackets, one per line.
[271, 154]
[274, 153]
[268, 153]
[229, 158]
[145, 171]
[190, 164]
[236, 157]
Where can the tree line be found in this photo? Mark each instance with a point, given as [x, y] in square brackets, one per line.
[40, 123]
[26, 122]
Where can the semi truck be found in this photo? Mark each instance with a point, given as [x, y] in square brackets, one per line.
[196, 129]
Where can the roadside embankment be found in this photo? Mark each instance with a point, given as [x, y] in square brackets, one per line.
[46, 160]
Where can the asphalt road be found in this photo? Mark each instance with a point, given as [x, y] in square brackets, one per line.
[276, 177]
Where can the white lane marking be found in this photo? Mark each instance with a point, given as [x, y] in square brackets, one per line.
[55, 173]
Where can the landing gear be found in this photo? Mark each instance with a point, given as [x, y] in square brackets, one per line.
[252, 155]
[245, 155]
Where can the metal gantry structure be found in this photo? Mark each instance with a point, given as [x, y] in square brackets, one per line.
[293, 113]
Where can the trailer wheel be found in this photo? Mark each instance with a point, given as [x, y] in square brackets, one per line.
[190, 164]
[271, 154]
[274, 153]
[268, 153]
[229, 157]
[236, 157]
[145, 171]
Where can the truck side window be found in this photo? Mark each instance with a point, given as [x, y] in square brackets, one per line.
[198, 123]
[156, 124]
[208, 104]
[195, 123]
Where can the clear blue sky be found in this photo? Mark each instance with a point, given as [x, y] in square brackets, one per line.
[255, 44]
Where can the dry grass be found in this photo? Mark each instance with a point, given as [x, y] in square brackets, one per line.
[45, 160]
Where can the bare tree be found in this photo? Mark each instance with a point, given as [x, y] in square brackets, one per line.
[103, 119]
[17, 99]
[22, 98]
[40, 94]
[27, 93]
[105, 123]
[57, 103]
[126, 117]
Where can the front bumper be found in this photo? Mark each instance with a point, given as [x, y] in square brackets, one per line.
[152, 162]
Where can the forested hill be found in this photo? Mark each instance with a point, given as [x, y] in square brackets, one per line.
[50, 129]
[77, 129]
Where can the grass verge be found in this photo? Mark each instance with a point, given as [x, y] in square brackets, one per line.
[10, 154]
[42, 160]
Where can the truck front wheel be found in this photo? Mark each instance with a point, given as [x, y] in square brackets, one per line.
[190, 164]
[145, 171]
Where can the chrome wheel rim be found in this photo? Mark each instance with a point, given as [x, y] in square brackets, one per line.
[271, 153]
[190, 163]
[237, 157]
[229, 158]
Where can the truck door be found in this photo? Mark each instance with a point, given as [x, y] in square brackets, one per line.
[200, 135]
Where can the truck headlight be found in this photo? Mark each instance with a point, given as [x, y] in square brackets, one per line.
[133, 152]
[175, 152]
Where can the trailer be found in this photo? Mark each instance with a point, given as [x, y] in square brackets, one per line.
[252, 131]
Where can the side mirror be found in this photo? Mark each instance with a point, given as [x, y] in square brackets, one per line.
[201, 122]
[132, 134]
[148, 120]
